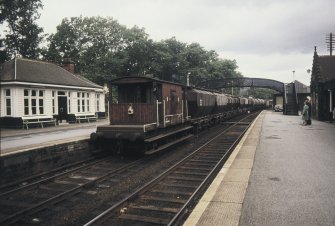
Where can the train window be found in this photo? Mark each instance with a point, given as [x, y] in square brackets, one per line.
[134, 93]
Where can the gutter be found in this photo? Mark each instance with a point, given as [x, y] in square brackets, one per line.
[51, 85]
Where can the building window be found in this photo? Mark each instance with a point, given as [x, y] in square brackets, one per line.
[53, 102]
[8, 102]
[41, 106]
[53, 106]
[26, 102]
[78, 102]
[83, 102]
[41, 102]
[26, 106]
[83, 105]
[33, 106]
[69, 104]
[33, 102]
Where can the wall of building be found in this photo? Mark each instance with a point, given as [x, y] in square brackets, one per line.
[50, 101]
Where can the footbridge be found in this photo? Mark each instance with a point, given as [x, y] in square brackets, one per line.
[217, 84]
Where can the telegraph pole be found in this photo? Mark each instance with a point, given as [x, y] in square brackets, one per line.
[330, 39]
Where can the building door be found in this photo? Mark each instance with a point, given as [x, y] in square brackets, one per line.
[62, 108]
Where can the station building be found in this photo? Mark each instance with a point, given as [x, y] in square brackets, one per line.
[323, 87]
[41, 90]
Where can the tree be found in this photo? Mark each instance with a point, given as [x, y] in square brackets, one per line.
[138, 49]
[198, 62]
[166, 60]
[262, 93]
[223, 68]
[103, 49]
[24, 35]
[92, 43]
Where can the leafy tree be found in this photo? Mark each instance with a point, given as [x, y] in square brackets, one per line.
[24, 35]
[138, 48]
[223, 68]
[167, 62]
[159, 57]
[103, 49]
[202, 64]
[196, 57]
[262, 93]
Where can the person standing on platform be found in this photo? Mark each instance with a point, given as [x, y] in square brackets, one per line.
[305, 116]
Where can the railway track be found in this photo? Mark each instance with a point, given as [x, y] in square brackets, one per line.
[28, 181]
[41, 201]
[20, 202]
[166, 199]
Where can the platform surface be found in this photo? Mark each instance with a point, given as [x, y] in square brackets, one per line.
[281, 173]
[16, 140]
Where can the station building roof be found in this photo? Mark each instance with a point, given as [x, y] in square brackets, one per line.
[41, 72]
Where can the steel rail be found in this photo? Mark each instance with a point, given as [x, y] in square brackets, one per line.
[44, 180]
[30, 178]
[212, 174]
[35, 208]
[106, 214]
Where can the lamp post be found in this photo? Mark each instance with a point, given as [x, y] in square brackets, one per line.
[188, 78]
[293, 74]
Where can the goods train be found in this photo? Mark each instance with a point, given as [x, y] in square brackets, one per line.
[148, 115]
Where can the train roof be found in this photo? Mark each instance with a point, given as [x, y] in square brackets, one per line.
[139, 79]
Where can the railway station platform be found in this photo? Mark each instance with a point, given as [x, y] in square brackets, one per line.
[20, 140]
[281, 173]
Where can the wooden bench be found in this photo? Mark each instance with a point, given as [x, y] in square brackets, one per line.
[39, 120]
[87, 118]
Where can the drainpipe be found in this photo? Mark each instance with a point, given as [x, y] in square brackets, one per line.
[15, 68]
[157, 115]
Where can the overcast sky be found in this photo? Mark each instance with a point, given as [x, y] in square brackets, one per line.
[268, 38]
